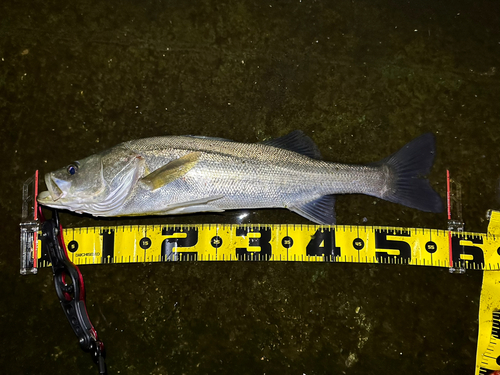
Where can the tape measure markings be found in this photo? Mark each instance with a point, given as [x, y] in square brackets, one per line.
[489, 360]
[230, 242]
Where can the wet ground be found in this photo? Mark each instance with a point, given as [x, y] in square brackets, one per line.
[361, 78]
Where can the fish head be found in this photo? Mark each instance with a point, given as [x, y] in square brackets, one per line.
[97, 184]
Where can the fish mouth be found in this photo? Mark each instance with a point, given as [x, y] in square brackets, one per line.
[57, 189]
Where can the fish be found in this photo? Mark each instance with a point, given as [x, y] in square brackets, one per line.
[169, 175]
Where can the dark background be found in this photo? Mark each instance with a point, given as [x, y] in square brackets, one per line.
[361, 78]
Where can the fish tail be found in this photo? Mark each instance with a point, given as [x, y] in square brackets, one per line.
[409, 167]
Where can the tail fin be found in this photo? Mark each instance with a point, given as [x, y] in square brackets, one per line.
[409, 166]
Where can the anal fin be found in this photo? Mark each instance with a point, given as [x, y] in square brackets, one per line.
[320, 211]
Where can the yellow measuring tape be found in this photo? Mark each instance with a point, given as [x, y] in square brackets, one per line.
[307, 243]
[488, 343]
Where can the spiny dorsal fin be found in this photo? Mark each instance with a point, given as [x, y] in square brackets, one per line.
[171, 171]
[298, 142]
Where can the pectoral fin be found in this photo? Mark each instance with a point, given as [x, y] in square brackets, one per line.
[171, 171]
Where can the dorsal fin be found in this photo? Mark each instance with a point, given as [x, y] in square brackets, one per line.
[298, 142]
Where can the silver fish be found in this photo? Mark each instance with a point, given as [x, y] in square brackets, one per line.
[187, 174]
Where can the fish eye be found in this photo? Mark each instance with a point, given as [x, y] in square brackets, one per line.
[72, 169]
